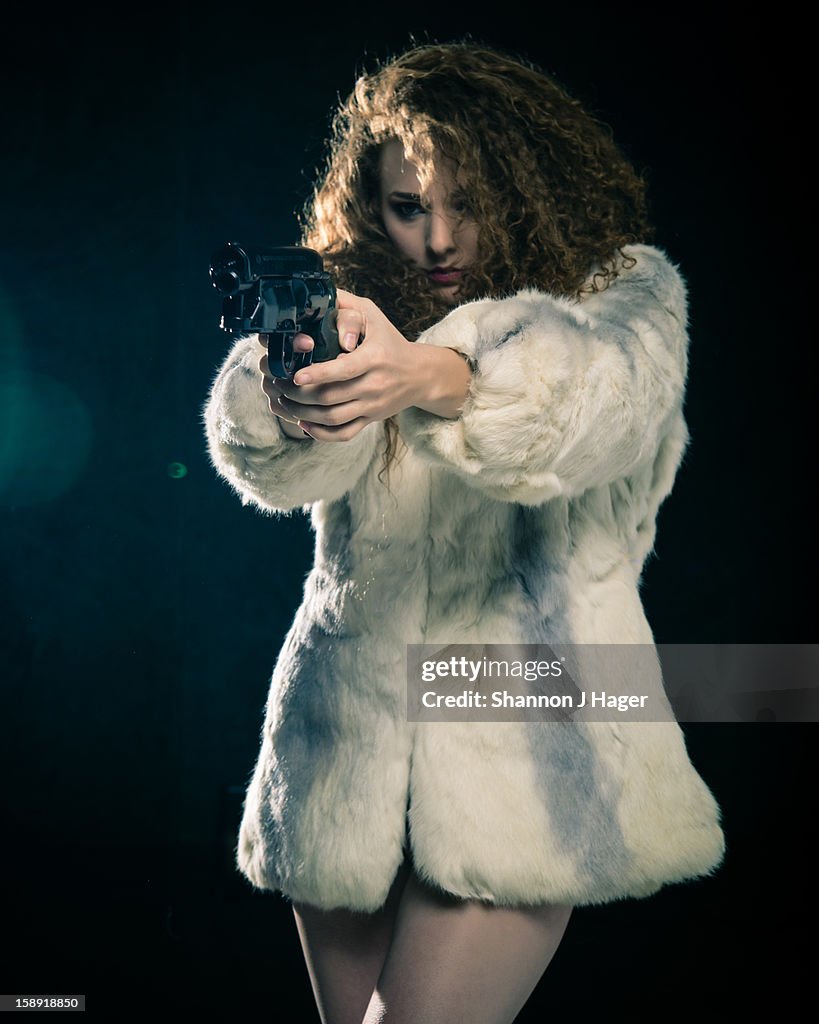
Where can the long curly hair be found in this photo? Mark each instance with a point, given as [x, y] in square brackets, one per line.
[554, 199]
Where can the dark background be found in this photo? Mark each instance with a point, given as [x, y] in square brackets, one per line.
[143, 606]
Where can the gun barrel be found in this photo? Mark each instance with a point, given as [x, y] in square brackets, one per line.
[235, 267]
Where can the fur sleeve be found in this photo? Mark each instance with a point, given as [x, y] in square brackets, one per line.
[565, 395]
[261, 463]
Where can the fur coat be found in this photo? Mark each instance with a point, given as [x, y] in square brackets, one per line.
[528, 519]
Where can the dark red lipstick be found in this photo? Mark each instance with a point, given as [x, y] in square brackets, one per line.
[445, 275]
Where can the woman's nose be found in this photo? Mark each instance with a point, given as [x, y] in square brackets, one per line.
[440, 234]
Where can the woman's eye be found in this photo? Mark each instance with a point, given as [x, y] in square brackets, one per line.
[408, 211]
[461, 207]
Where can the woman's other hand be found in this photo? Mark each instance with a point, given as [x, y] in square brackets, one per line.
[272, 386]
[377, 375]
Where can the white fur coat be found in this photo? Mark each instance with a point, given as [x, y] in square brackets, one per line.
[526, 520]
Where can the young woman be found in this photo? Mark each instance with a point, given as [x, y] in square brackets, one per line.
[483, 464]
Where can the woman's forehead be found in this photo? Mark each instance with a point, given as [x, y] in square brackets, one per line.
[399, 172]
[396, 168]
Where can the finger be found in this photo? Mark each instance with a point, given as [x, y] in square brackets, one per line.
[327, 415]
[274, 404]
[335, 392]
[351, 326]
[346, 304]
[335, 370]
[282, 415]
[303, 343]
[349, 342]
[278, 406]
[321, 432]
[271, 387]
[347, 300]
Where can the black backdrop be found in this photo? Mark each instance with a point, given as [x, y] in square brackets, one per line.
[143, 606]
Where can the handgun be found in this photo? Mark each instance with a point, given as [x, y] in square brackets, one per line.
[278, 291]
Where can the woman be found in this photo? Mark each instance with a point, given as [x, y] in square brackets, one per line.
[483, 464]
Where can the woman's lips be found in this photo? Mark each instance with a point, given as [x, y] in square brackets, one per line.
[445, 275]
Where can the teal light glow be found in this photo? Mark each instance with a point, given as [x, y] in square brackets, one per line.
[45, 437]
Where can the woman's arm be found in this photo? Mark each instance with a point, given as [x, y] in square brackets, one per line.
[565, 396]
[254, 453]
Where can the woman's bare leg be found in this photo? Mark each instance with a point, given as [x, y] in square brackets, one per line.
[462, 962]
[345, 952]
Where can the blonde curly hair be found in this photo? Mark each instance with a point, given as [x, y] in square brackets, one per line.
[554, 198]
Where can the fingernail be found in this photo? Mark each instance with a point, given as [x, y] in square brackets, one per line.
[302, 378]
[350, 341]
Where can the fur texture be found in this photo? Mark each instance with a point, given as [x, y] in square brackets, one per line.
[528, 519]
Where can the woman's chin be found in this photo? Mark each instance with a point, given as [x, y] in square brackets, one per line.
[449, 294]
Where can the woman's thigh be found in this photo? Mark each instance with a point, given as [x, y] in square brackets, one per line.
[462, 962]
[345, 952]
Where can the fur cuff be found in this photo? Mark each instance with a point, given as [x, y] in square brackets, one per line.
[251, 452]
[566, 395]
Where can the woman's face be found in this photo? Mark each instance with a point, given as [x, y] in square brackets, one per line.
[438, 235]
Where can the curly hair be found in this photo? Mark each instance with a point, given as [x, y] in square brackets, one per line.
[554, 198]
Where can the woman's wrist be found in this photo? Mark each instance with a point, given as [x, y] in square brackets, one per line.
[443, 376]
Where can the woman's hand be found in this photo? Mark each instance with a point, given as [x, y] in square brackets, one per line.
[270, 386]
[377, 374]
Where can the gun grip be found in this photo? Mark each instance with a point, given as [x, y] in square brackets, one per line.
[328, 345]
